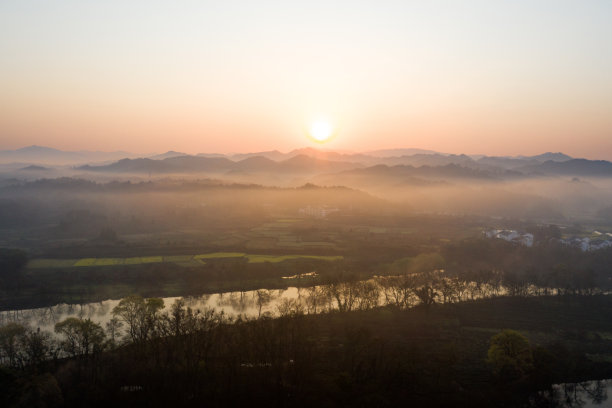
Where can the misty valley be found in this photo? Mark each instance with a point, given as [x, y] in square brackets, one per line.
[311, 277]
[305, 204]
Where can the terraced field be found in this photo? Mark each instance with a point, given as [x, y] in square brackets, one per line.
[183, 260]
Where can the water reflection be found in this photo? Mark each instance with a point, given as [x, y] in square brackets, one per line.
[246, 303]
[583, 395]
[399, 291]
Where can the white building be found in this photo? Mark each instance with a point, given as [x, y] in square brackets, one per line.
[521, 238]
[316, 211]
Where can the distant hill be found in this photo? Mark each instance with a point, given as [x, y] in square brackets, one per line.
[190, 164]
[333, 156]
[420, 159]
[47, 155]
[522, 163]
[309, 161]
[272, 155]
[399, 152]
[307, 151]
[555, 157]
[506, 162]
[129, 166]
[34, 168]
[300, 164]
[180, 164]
[573, 167]
[381, 176]
[307, 164]
[210, 155]
[504, 168]
[255, 164]
[167, 155]
[449, 171]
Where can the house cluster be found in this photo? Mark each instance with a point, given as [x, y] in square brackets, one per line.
[321, 211]
[521, 238]
[589, 244]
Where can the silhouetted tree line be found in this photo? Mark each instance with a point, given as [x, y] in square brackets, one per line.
[147, 355]
[549, 267]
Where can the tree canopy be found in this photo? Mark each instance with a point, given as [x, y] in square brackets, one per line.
[510, 355]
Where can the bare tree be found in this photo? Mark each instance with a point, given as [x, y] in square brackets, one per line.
[10, 336]
[140, 316]
[262, 298]
[80, 336]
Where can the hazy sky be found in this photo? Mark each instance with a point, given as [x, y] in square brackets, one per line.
[494, 77]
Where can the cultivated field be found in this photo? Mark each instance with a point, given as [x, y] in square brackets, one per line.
[183, 260]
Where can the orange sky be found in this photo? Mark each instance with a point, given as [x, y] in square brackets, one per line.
[500, 78]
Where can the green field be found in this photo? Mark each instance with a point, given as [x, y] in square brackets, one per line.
[85, 262]
[183, 260]
[220, 255]
[281, 258]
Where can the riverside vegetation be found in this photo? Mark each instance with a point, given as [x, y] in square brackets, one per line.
[414, 338]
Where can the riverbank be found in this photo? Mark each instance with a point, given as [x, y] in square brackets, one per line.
[423, 356]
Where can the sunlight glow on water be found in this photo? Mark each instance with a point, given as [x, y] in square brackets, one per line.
[231, 303]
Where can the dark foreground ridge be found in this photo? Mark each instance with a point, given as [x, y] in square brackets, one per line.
[427, 356]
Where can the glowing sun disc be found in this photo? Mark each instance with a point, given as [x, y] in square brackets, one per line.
[321, 131]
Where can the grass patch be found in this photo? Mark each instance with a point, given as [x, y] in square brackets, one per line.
[133, 261]
[183, 260]
[281, 258]
[109, 261]
[85, 262]
[151, 259]
[220, 255]
[178, 258]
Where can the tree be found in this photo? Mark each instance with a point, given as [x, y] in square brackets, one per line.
[177, 317]
[113, 327]
[398, 290]
[10, 335]
[36, 346]
[39, 391]
[80, 336]
[368, 294]
[140, 315]
[316, 298]
[181, 320]
[510, 355]
[289, 307]
[262, 298]
[344, 293]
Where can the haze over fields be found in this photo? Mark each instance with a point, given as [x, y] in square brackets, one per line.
[296, 204]
[551, 187]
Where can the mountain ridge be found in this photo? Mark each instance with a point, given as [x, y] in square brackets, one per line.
[310, 160]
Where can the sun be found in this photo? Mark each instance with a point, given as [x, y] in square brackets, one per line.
[321, 131]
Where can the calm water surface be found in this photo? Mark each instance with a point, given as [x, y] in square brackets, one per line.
[231, 303]
[576, 395]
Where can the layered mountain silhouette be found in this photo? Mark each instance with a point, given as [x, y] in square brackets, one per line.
[48, 155]
[575, 167]
[193, 164]
[401, 164]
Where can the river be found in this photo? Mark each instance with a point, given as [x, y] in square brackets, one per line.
[588, 394]
[231, 303]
